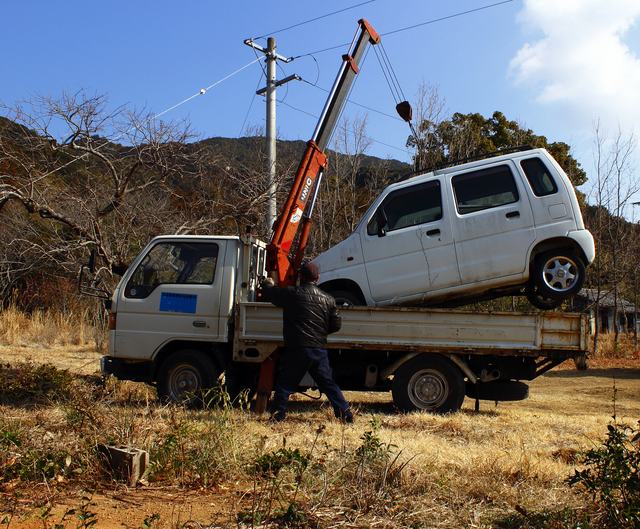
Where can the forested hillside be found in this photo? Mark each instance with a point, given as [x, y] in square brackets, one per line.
[76, 177]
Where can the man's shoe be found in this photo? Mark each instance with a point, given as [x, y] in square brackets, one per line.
[347, 416]
[277, 416]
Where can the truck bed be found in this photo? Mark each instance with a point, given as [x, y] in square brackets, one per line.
[553, 335]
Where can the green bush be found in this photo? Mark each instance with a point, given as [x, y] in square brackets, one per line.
[27, 382]
[612, 475]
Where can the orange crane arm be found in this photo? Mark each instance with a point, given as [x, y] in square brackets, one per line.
[280, 264]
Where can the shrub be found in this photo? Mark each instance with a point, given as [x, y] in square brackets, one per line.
[612, 475]
[27, 382]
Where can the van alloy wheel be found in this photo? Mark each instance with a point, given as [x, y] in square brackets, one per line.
[559, 274]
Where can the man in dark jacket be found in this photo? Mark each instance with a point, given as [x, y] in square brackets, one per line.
[309, 315]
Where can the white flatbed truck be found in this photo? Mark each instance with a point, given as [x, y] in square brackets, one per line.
[186, 312]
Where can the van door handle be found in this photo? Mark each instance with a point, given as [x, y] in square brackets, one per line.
[200, 324]
[433, 233]
[513, 214]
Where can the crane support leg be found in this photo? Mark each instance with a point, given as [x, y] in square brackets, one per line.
[265, 384]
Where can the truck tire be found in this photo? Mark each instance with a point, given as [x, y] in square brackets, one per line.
[558, 274]
[498, 390]
[428, 383]
[186, 376]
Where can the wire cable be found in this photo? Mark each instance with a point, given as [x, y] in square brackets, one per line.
[153, 118]
[412, 27]
[314, 19]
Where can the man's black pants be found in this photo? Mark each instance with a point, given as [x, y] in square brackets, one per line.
[295, 362]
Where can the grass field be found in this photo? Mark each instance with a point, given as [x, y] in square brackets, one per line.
[505, 466]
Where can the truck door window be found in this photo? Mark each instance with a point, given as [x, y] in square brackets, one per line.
[173, 263]
[484, 189]
[539, 177]
[409, 206]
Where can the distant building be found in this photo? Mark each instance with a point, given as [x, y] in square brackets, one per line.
[585, 301]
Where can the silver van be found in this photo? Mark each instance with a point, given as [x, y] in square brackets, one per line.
[500, 226]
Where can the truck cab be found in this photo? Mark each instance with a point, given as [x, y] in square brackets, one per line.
[179, 295]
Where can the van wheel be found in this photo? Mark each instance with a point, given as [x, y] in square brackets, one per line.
[558, 274]
[186, 376]
[428, 383]
[539, 301]
[346, 299]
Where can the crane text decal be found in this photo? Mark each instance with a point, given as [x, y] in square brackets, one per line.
[305, 190]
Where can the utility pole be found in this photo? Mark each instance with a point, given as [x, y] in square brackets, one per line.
[270, 58]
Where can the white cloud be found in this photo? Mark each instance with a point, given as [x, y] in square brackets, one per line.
[579, 60]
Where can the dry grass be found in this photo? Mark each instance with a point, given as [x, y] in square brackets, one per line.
[50, 328]
[502, 467]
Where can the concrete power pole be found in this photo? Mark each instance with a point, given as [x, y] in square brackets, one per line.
[270, 58]
[271, 133]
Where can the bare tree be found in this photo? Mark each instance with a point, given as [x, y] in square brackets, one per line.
[615, 185]
[430, 112]
[88, 177]
[342, 195]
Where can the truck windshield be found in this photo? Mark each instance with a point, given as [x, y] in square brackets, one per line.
[173, 263]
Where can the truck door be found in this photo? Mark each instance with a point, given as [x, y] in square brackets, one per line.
[173, 293]
[408, 244]
[493, 225]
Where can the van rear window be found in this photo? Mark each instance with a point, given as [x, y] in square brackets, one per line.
[539, 177]
[484, 189]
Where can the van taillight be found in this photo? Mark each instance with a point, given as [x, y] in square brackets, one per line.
[112, 321]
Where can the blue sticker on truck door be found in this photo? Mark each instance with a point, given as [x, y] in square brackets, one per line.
[185, 303]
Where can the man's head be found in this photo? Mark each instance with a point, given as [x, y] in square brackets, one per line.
[309, 272]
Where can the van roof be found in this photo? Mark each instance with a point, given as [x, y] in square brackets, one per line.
[476, 161]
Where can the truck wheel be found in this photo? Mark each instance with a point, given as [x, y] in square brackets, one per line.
[346, 299]
[185, 376]
[498, 390]
[558, 274]
[428, 383]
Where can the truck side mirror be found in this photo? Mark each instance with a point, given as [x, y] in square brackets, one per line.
[91, 265]
[120, 269]
[382, 220]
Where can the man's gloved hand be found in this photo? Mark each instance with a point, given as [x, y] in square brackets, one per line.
[266, 283]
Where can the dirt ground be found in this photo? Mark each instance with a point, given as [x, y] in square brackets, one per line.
[563, 390]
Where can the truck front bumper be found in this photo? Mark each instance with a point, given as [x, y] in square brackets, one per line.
[135, 371]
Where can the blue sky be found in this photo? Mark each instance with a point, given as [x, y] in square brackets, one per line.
[556, 66]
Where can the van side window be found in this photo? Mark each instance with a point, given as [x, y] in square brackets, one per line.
[539, 177]
[174, 263]
[484, 189]
[406, 207]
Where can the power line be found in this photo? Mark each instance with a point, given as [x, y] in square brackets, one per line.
[412, 27]
[351, 102]
[356, 104]
[446, 18]
[314, 19]
[153, 118]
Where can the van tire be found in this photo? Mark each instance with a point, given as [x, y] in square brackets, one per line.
[539, 301]
[346, 299]
[558, 274]
[428, 383]
[186, 376]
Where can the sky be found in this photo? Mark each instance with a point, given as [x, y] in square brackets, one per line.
[557, 66]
